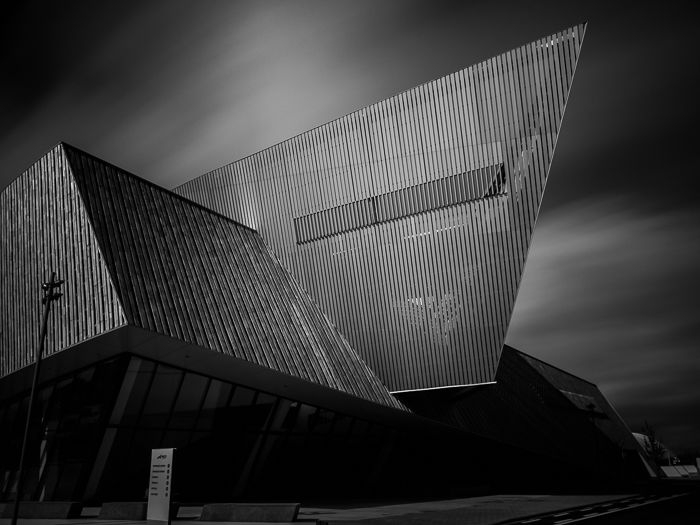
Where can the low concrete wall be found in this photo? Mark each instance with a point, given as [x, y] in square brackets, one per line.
[43, 509]
[130, 510]
[251, 512]
[123, 510]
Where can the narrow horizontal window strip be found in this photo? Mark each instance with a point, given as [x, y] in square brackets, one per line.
[420, 198]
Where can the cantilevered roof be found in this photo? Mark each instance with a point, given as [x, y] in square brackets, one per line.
[162, 263]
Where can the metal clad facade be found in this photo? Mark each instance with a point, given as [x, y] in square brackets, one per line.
[409, 221]
[185, 272]
[45, 227]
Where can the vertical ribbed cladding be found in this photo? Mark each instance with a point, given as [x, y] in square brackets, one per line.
[425, 299]
[45, 228]
[190, 274]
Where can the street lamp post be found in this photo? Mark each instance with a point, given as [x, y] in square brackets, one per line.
[50, 294]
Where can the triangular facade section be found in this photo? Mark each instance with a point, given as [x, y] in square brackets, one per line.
[587, 398]
[409, 221]
[561, 421]
[196, 276]
[45, 228]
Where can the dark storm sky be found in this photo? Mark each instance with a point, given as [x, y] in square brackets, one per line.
[170, 90]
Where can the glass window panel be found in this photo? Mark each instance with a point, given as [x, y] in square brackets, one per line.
[188, 401]
[288, 458]
[269, 454]
[12, 411]
[291, 415]
[50, 482]
[360, 427]
[280, 416]
[175, 439]
[214, 403]
[242, 396]
[138, 376]
[305, 419]
[136, 472]
[266, 402]
[44, 396]
[70, 475]
[243, 414]
[6, 426]
[41, 405]
[86, 375]
[107, 380]
[265, 399]
[160, 397]
[322, 421]
[342, 424]
[141, 445]
[315, 449]
[376, 429]
[198, 438]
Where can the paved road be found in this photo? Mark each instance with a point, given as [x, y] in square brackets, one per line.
[639, 510]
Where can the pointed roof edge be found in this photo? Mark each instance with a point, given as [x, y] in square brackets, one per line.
[153, 184]
[519, 282]
[61, 146]
[584, 25]
[520, 352]
[65, 145]
[31, 164]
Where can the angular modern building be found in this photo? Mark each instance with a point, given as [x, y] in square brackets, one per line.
[324, 317]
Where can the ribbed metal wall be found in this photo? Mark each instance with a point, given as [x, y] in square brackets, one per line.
[425, 298]
[44, 228]
[185, 272]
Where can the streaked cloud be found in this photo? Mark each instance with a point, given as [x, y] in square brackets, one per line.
[610, 293]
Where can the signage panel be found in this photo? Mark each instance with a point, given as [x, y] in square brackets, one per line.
[160, 486]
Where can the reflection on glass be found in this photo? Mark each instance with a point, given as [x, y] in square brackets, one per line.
[188, 401]
[230, 440]
[216, 399]
[135, 386]
[161, 397]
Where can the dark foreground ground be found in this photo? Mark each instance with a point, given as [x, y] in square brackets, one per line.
[673, 505]
[679, 511]
[528, 510]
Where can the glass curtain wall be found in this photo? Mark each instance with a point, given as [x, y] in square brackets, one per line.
[92, 433]
[231, 441]
[66, 428]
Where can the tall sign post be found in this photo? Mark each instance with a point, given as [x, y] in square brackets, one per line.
[50, 295]
[160, 486]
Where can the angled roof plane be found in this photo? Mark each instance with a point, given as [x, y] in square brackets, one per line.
[133, 254]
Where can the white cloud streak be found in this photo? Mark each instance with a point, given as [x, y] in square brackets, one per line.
[611, 294]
